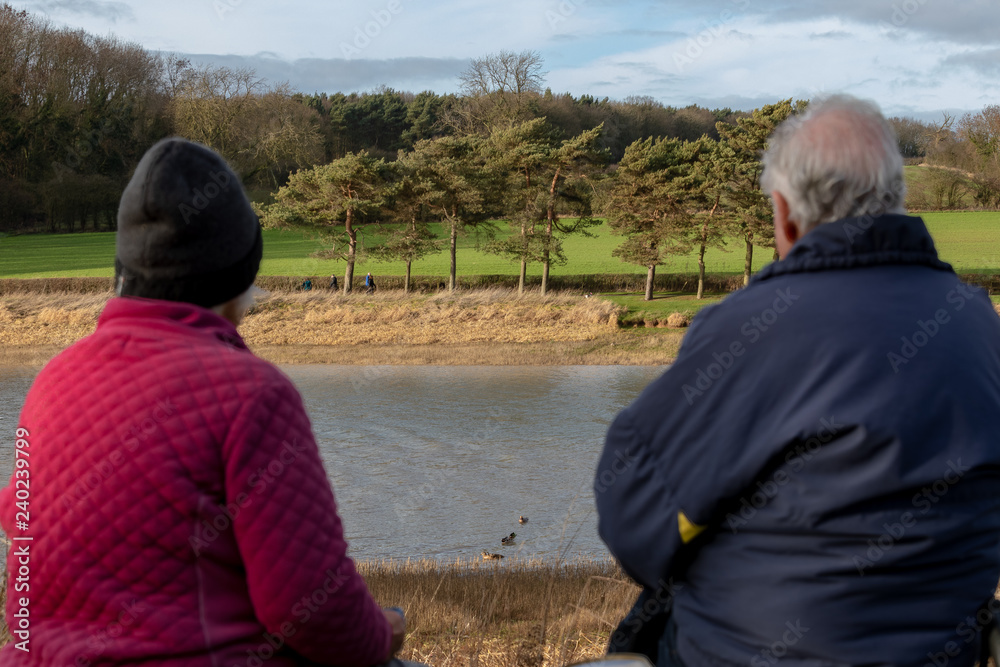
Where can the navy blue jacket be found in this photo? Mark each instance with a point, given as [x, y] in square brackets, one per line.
[816, 479]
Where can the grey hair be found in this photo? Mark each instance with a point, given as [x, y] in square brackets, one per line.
[839, 159]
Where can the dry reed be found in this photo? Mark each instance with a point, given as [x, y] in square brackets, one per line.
[520, 613]
[492, 315]
[482, 327]
[55, 319]
[509, 612]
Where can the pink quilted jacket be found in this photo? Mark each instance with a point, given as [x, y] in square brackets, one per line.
[179, 512]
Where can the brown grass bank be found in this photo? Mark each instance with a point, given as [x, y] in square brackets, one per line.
[483, 327]
[504, 613]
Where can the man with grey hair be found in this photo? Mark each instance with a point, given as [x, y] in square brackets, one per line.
[816, 479]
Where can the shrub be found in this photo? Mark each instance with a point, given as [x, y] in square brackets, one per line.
[677, 320]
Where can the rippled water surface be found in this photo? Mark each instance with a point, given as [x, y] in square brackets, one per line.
[439, 461]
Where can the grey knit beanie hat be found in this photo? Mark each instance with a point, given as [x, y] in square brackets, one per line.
[186, 230]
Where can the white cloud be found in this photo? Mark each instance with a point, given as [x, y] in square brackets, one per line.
[905, 54]
[782, 60]
[96, 9]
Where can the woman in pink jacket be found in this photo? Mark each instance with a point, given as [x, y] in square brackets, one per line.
[172, 507]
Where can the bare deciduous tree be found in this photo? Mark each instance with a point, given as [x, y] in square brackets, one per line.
[498, 88]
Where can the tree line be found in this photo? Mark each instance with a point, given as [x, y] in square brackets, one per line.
[964, 154]
[78, 111]
[666, 195]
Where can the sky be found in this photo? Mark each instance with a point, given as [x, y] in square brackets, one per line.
[914, 58]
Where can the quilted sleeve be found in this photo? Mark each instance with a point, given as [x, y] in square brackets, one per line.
[302, 584]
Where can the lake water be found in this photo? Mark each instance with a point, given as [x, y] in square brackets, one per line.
[439, 461]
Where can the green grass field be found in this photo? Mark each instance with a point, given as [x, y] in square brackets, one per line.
[970, 240]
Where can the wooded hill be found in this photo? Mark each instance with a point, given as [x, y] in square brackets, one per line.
[77, 112]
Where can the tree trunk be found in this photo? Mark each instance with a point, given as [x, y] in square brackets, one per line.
[406, 283]
[545, 273]
[701, 269]
[650, 275]
[352, 247]
[701, 251]
[549, 220]
[452, 275]
[545, 253]
[748, 264]
[524, 239]
[775, 257]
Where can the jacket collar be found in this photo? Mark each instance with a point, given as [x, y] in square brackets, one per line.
[168, 316]
[860, 242]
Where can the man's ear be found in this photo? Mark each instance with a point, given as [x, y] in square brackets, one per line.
[786, 231]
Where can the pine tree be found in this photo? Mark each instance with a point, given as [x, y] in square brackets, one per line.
[348, 193]
[739, 172]
[653, 201]
[450, 180]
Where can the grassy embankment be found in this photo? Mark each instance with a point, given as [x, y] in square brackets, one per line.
[483, 327]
